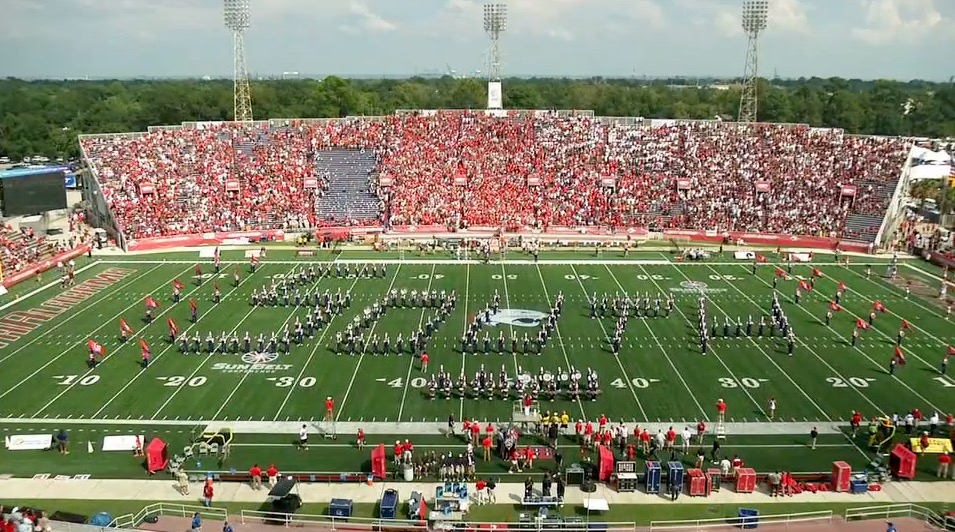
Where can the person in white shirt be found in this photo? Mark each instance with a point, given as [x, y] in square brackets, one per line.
[303, 437]
[725, 467]
[687, 437]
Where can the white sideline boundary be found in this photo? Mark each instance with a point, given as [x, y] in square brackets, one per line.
[447, 262]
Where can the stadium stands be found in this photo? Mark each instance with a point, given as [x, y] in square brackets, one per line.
[20, 248]
[461, 169]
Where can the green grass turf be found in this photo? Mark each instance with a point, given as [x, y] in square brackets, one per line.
[641, 515]
[660, 375]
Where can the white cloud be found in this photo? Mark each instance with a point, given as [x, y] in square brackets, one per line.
[888, 21]
[785, 16]
[369, 20]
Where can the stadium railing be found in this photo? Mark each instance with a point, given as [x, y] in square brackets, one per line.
[895, 211]
[330, 522]
[164, 508]
[888, 511]
[734, 522]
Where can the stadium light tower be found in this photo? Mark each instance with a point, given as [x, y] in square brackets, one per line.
[237, 17]
[495, 23]
[755, 17]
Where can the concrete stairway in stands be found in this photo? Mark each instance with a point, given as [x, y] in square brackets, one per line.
[864, 227]
[348, 196]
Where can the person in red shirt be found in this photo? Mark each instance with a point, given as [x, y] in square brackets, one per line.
[700, 431]
[256, 473]
[645, 441]
[670, 439]
[467, 429]
[636, 432]
[399, 450]
[475, 432]
[736, 463]
[944, 464]
[588, 435]
[489, 429]
[515, 464]
[273, 475]
[579, 431]
[602, 422]
[855, 423]
[631, 451]
[486, 445]
[606, 438]
[361, 439]
[529, 456]
[424, 362]
[329, 409]
[720, 410]
[924, 442]
[207, 492]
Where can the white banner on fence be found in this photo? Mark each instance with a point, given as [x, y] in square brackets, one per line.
[28, 442]
[121, 443]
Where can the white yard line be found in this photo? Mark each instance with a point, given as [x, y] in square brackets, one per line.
[507, 302]
[753, 341]
[662, 349]
[81, 310]
[560, 341]
[413, 357]
[464, 355]
[617, 358]
[68, 350]
[758, 404]
[361, 357]
[881, 366]
[151, 362]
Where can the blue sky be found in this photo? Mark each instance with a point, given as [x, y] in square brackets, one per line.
[899, 39]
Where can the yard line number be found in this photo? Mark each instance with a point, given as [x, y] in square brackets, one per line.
[288, 382]
[745, 382]
[717, 277]
[179, 380]
[70, 380]
[945, 382]
[417, 382]
[654, 277]
[572, 277]
[499, 277]
[853, 382]
[426, 276]
[636, 382]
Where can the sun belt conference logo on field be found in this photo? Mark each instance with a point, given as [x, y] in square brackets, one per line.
[516, 317]
[695, 287]
[253, 363]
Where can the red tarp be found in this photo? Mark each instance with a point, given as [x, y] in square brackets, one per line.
[157, 455]
[379, 461]
[605, 461]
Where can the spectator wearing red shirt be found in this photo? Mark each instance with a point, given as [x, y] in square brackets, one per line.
[399, 450]
[329, 409]
[944, 464]
[273, 474]
[720, 411]
[700, 431]
[602, 422]
[486, 445]
[481, 487]
[529, 456]
[515, 462]
[475, 432]
[207, 493]
[256, 473]
[466, 424]
[606, 438]
[855, 423]
[737, 463]
[670, 439]
[588, 435]
[360, 442]
[645, 441]
[579, 431]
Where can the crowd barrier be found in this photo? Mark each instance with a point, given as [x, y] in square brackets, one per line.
[736, 522]
[163, 508]
[889, 511]
[330, 522]
[233, 238]
[42, 266]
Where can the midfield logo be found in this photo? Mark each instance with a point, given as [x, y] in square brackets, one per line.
[696, 287]
[516, 317]
[253, 363]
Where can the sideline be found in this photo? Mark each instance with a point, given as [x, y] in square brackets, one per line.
[50, 284]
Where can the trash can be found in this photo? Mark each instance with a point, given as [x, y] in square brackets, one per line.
[748, 518]
[408, 472]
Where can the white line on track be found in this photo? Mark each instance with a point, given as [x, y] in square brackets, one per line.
[321, 338]
[414, 357]
[341, 406]
[623, 371]
[151, 362]
[560, 341]
[80, 310]
[72, 345]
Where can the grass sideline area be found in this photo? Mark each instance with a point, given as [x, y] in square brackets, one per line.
[659, 376]
[641, 515]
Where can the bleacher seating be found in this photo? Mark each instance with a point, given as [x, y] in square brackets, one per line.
[19, 248]
[804, 168]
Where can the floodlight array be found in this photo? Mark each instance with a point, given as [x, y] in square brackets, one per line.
[755, 16]
[495, 18]
[237, 14]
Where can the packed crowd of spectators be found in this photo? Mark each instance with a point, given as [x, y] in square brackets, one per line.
[21, 247]
[575, 159]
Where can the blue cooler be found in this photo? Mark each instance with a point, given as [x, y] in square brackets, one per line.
[388, 508]
[340, 508]
[675, 476]
[651, 478]
[748, 518]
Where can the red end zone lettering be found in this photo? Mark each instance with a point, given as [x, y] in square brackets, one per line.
[18, 324]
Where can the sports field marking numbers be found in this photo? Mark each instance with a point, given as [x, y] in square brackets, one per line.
[572, 277]
[179, 380]
[70, 380]
[637, 382]
[945, 382]
[717, 277]
[855, 382]
[426, 276]
[288, 382]
[219, 276]
[654, 277]
[745, 382]
[417, 382]
[499, 277]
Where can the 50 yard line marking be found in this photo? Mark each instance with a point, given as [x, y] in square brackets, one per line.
[166, 350]
[617, 358]
[507, 301]
[464, 355]
[404, 393]
[341, 406]
[308, 292]
[560, 341]
[71, 346]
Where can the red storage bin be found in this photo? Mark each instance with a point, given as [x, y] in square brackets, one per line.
[697, 485]
[746, 480]
[902, 462]
[841, 477]
[714, 479]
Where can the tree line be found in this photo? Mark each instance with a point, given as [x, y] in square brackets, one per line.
[44, 117]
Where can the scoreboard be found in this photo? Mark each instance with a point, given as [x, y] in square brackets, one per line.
[32, 191]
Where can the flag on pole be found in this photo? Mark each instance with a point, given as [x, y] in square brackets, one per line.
[215, 285]
[781, 273]
[877, 305]
[805, 286]
[861, 324]
[816, 272]
[842, 286]
[177, 284]
[216, 255]
[95, 348]
[144, 346]
[151, 303]
[761, 258]
[192, 304]
[835, 307]
[255, 260]
[124, 327]
[900, 355]
[198, 270]
[905, 324]
[951, 351]
[173, 328]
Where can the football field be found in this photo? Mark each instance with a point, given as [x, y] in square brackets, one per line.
[659, 375]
